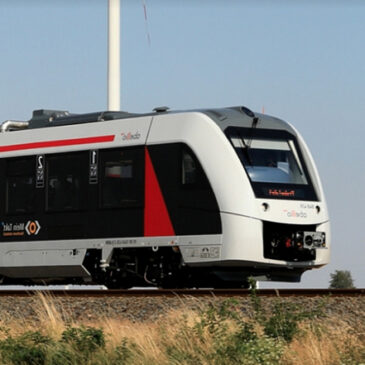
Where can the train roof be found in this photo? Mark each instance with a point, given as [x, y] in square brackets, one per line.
[223, 117]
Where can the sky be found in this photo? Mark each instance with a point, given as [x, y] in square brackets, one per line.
[302, 61]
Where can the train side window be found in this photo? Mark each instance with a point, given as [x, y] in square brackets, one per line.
[189, 169]
[20, 186]
[122, 178]
[192, 173]
[66, 181]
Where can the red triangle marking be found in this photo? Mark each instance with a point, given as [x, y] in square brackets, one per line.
[157, 221]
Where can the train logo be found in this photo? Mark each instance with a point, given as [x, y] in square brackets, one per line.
[295, 214]
[129, 136]
[32, 228]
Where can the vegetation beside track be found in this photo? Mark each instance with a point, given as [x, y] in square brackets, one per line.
[221, 332]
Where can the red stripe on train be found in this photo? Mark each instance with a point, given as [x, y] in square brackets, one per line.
[57, 143]
[157, 221]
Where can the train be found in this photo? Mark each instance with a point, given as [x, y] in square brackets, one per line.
[205, 198]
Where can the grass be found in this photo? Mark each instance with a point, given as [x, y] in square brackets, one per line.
[216, 334]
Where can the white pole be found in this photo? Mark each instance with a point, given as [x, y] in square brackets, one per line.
[114, 55]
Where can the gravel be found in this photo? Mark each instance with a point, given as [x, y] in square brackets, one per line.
[141, 309]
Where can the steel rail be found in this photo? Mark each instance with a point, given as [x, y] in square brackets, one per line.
[185, 292]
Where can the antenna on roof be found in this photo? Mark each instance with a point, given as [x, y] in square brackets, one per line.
[114, 55]
[146, 22]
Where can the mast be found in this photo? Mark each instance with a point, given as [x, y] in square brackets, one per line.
[114, 55]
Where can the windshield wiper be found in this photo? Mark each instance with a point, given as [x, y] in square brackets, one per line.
[247, 145]
[246, 152]
[255, 120]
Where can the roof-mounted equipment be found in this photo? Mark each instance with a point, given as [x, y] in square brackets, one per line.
[247, 111]
[53, 118]
[49, 115]
[161, 109]
[13, 125]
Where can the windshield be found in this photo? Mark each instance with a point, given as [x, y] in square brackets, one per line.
[268, 160]
[273, 162]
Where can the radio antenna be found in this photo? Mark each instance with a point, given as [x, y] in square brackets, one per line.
[146, 22]
[114, 55]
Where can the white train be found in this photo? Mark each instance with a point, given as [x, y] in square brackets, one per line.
[204, 198]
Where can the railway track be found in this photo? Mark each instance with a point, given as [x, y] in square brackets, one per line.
[186, 292]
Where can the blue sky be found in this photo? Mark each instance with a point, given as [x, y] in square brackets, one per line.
[303, 61]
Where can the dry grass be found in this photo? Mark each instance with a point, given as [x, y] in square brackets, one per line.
[330, 343]
[52, 318]
[144, 335]
[152, 338]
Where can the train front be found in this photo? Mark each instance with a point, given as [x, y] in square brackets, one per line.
[275, 220]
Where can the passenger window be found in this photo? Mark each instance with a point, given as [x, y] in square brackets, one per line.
[189, 169]
[192, 174]
[122, 178]
[66, 181]
[20, 186]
